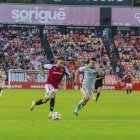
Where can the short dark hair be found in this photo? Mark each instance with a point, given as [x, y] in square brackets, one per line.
[93, 59]
[60, 58]
[104, 63]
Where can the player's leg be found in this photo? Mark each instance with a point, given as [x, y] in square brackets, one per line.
[2, 85]
[94, 93]
[83, 102]
[39, 102]
[0, 91]
[44, 100]
[98, 94]
[127, 88]
[130, 88]
[95, 90]
[52, 104]
[52, 99]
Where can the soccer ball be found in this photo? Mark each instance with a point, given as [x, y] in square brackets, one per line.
[56, 116]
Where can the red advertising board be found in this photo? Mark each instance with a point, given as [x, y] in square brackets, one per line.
[19, 81]
[29, 79]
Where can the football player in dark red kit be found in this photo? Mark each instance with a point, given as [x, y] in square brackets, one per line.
[55, 75]
[129, 83]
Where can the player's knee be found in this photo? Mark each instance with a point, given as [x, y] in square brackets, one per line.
[99, 89]
[95, 90]
[44, 100]
[87, 98]
[52, 95]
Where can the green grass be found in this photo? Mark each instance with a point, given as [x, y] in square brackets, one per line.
[115, 117]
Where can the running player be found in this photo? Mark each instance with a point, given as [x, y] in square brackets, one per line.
[55, 75]
[129, 83]
[2, 80]
[99, 83]
[88, 83]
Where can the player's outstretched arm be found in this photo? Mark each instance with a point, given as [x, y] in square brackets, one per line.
[42, 70]
[76, 76]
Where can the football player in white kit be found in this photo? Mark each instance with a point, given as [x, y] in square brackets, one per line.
[2, 80]
[89, 76]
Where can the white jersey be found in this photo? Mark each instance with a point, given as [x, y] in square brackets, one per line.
[89, 76]
[2, 78]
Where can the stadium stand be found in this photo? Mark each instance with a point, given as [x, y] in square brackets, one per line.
[21, 49]
[78, 46]
[128, 47]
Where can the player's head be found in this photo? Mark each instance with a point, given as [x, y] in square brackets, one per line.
[129, 73]
[92, 62]
[102, 67]
[1, 68]
[60, 61]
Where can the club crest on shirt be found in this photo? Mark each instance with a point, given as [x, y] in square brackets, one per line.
[62, 69]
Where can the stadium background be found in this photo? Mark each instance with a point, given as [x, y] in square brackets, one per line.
[116, 116]
[107, 33]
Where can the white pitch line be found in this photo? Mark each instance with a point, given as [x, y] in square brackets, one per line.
[71, 120]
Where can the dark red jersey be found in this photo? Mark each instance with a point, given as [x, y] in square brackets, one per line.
[128, 78]
[55, 74]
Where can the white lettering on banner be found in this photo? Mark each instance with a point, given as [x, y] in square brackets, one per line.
[18, 77]
[110, 79]
[109, 0]
[137, 15]
[40, 78]
[43, 16]
[24, 77]
[121, 24]
[37, 86]
[108, 87]
[29, 79]
[16, 86]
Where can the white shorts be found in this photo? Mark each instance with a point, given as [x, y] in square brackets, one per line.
[49, 90]
[128, 85]
[86, 92]
[2, 84]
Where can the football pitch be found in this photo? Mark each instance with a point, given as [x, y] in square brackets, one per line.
[115, 117]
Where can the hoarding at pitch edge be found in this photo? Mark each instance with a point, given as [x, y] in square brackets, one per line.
[49, 15]
[91, 2]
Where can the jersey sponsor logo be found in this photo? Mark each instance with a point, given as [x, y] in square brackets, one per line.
[57, 73]
[62, 69]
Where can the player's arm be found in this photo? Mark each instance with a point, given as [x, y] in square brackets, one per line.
[76, 75]
[132, 80]
[4, 76]
[122, 79]
[80, 70]
[42, 70]
[99, 72]
[98, 78]
[67, 73]
[46, 66]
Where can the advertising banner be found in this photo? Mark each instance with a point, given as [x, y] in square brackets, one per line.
[126, 17]
[49, 15]
[91, 2]
[29, 79]
[111, 79]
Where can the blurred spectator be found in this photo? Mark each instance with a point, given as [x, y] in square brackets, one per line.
[17, 47]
